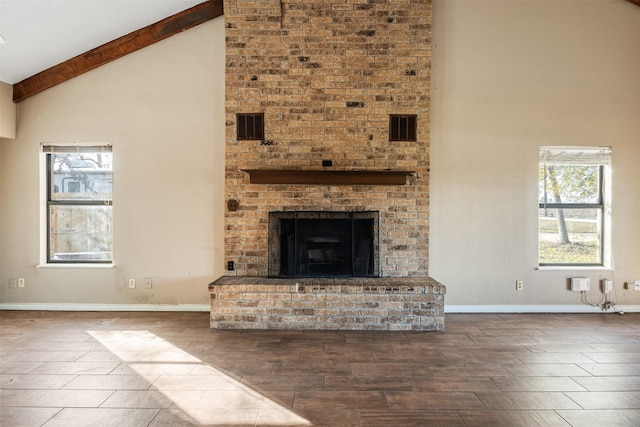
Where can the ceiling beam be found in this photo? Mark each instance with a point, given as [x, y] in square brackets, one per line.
[117, 49]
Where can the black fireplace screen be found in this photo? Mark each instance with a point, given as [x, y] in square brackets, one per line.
[323, 244]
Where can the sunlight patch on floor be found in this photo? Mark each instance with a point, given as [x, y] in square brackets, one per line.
[205, 394]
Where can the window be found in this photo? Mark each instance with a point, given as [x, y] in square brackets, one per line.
[79, 204]
[572, 188]
[403, 127]
[250, 126]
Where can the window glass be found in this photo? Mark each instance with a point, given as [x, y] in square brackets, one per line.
[80, 233]
[569, 184]
[570, 236]
[81, 176]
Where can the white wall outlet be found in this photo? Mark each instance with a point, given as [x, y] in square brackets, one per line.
[132, 283]
[148, 282]
[636, 285]
[579, 284]
[607, 286]
[21, 282]
[519, 285]
[12, 283]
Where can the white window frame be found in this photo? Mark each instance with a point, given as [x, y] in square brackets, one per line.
[586, 156]
[47, 149]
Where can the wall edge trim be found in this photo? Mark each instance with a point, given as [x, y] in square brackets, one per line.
[206, 308]
[535, 309]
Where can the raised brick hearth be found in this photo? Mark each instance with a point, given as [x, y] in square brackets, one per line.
[394, 304]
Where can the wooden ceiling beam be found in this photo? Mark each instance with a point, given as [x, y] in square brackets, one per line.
[117, 48]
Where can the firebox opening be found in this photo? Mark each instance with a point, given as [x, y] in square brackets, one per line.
[323, 244]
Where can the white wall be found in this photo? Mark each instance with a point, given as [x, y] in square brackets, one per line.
[162, 109]
[509, 76]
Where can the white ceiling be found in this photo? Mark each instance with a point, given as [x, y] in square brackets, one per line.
[42, 33]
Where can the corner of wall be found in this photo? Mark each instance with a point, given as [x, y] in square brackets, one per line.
[7, 112]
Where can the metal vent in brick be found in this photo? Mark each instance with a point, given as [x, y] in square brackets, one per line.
[250, 126]
[403, 127]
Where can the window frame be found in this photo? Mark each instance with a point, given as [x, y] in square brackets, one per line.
[49, 151]
[601, 204]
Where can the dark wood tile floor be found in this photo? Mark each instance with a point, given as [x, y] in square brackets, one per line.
[155, 369]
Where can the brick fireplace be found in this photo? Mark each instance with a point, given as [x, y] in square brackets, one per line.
[334, 82]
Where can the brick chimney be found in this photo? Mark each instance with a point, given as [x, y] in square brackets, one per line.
[328, 76]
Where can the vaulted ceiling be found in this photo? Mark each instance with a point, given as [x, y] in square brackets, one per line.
[41, 33]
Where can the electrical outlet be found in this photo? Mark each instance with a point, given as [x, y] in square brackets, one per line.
[607, 285]
[519, 285]
[147, 282]
[633, 285]
[132, 283]
[21, 282]
[636, 285]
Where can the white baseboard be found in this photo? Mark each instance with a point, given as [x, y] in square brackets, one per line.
[535, 309]
[103, 307]
[206, 307]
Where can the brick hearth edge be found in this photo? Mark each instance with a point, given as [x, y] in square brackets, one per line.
[394, 304]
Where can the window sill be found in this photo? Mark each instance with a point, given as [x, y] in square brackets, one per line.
[78, 265]
[573, 268]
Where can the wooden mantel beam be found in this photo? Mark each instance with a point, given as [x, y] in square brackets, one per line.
[328, 177]
[636, 2]
[117, 48]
